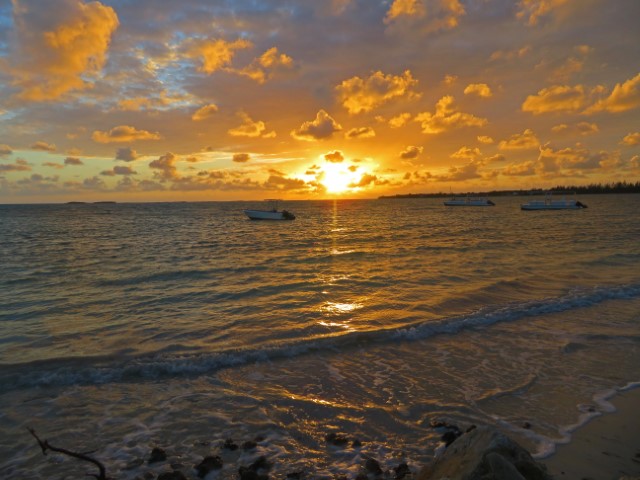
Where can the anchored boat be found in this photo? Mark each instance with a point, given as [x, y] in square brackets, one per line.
[552, 204]
[271, 214]
[469, 202]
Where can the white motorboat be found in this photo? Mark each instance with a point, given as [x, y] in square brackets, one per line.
[469, 202]
[550, 204]
[271, 214]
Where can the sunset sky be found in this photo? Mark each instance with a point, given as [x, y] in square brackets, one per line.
[163, 100]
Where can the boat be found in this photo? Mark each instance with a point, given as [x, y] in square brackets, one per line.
[271, 214]
[469, 202]
[550, 204]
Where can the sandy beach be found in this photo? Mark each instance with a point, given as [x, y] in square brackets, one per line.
[606, 448]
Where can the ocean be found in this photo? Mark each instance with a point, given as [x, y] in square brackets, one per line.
[125, 327]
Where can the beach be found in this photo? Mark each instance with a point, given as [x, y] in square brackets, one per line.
[606, 448]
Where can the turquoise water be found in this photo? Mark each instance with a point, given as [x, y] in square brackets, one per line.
[128, 326]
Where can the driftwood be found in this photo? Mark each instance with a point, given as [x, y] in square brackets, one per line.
[45, 445]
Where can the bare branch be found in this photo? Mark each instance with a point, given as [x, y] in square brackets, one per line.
[45, 445]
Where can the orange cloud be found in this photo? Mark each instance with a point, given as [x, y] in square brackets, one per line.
[5, 150]
[399, 120]
[251, 129]
[434, 15]
[558, 98]
[44, 146]
[59, 59]
[359, 95]
[241, 157]
[334, 157]
[214, 54]
[479, 89]
[123, 133]
[631, 139]
[324, 126]
[625, 96]
[411, 152]
[409, 8]
[519, 141]
[361, 132]
[484, 139]
[165, 166]
[204, 112]
[447, 118]
[532, 11]
[127, 154]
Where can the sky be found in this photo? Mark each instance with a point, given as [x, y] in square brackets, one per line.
[159, 100]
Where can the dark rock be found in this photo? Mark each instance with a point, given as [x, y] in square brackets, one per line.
[361, 476]
[341, 476]
[402, 470]
[259, 438]
[249, 445]
[372, 466]
[175, 475]
[356, 443]
[229, 445]
[471, 427]
[261, 464]
[337, 439]
[157, 455]
[526, 425]
[208, 464]
[483, 454]
[133, 464]
[450, 436]
[246, 473]
[296, 475]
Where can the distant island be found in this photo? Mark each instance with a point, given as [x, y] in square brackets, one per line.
[95, 203]
[594, 188]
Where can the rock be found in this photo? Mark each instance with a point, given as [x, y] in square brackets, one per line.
[295, 475]
[249, 445]
[402, 471]
[175, 475]
[261, 464]
[372, 466]
[337, 439]
[255, 471]
[157, 455]
[484, 454]
[450, 436]
[356, 443]
[229, 445]
[208, 464]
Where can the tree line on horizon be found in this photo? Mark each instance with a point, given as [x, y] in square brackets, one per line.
[592, 188]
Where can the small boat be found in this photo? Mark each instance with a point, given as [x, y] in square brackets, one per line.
[469, 202]
[272, 214]
[550, 204]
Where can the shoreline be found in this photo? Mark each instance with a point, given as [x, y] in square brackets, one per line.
[605, 448]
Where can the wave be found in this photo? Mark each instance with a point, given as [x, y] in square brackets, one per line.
[127, 368]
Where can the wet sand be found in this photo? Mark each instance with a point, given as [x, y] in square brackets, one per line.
[606, 448]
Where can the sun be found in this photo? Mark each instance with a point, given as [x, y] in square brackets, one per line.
[337, 178]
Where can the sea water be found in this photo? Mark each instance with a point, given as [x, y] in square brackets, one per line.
[125, 327]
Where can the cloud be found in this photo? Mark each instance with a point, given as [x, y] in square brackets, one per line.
[361, 132]
[324, 126]
[118, 170]
[510, 54]
[625, 96]
[165, 166]
[567, 69]
[411, 152]
[359, 95]
[631, 139]
[582, 128]
[59, 49]
[19, 165]
[241, 157]
[519, 169]
[399, 120]
[479, 89]
[204, 112]
[53, 165]
[334, 157]
[279, 182]
[73, 161]
[265, 66]
[430, 15]
[551, 160]
[484, 139]
[44, 146]
[5, 150]
[447, 118]
[532, 11]
[368, 179]
[123, 133]
[558, 98]
[467, 153]
[214, 54]
[251, 129]
[126, 154]
[519, 141]
[461, 174]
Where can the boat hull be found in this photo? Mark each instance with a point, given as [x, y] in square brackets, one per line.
[555, 205]
[269, 215]
[469, 203]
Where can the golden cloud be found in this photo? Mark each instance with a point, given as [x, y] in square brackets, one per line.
[5, 149]
[533, 10]
[519, 141]
[251, 129]
[631, 139]
[558, 98]
[359, 95]
[360, 132]
[44, 146]
[165, 166]
[484, 139]
[625, 96]
[214, 54]
[58, 60]
[204, 112]
[399, 120]
[447, 118]
[409, 8]
[334, 157]
[467, 153]
[324, 126]
[263, 67]
[479, 89]
[433, 15]
[411, 152]
[241, 157]
[123, 133]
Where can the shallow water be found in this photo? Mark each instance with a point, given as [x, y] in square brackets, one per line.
[126, 326]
